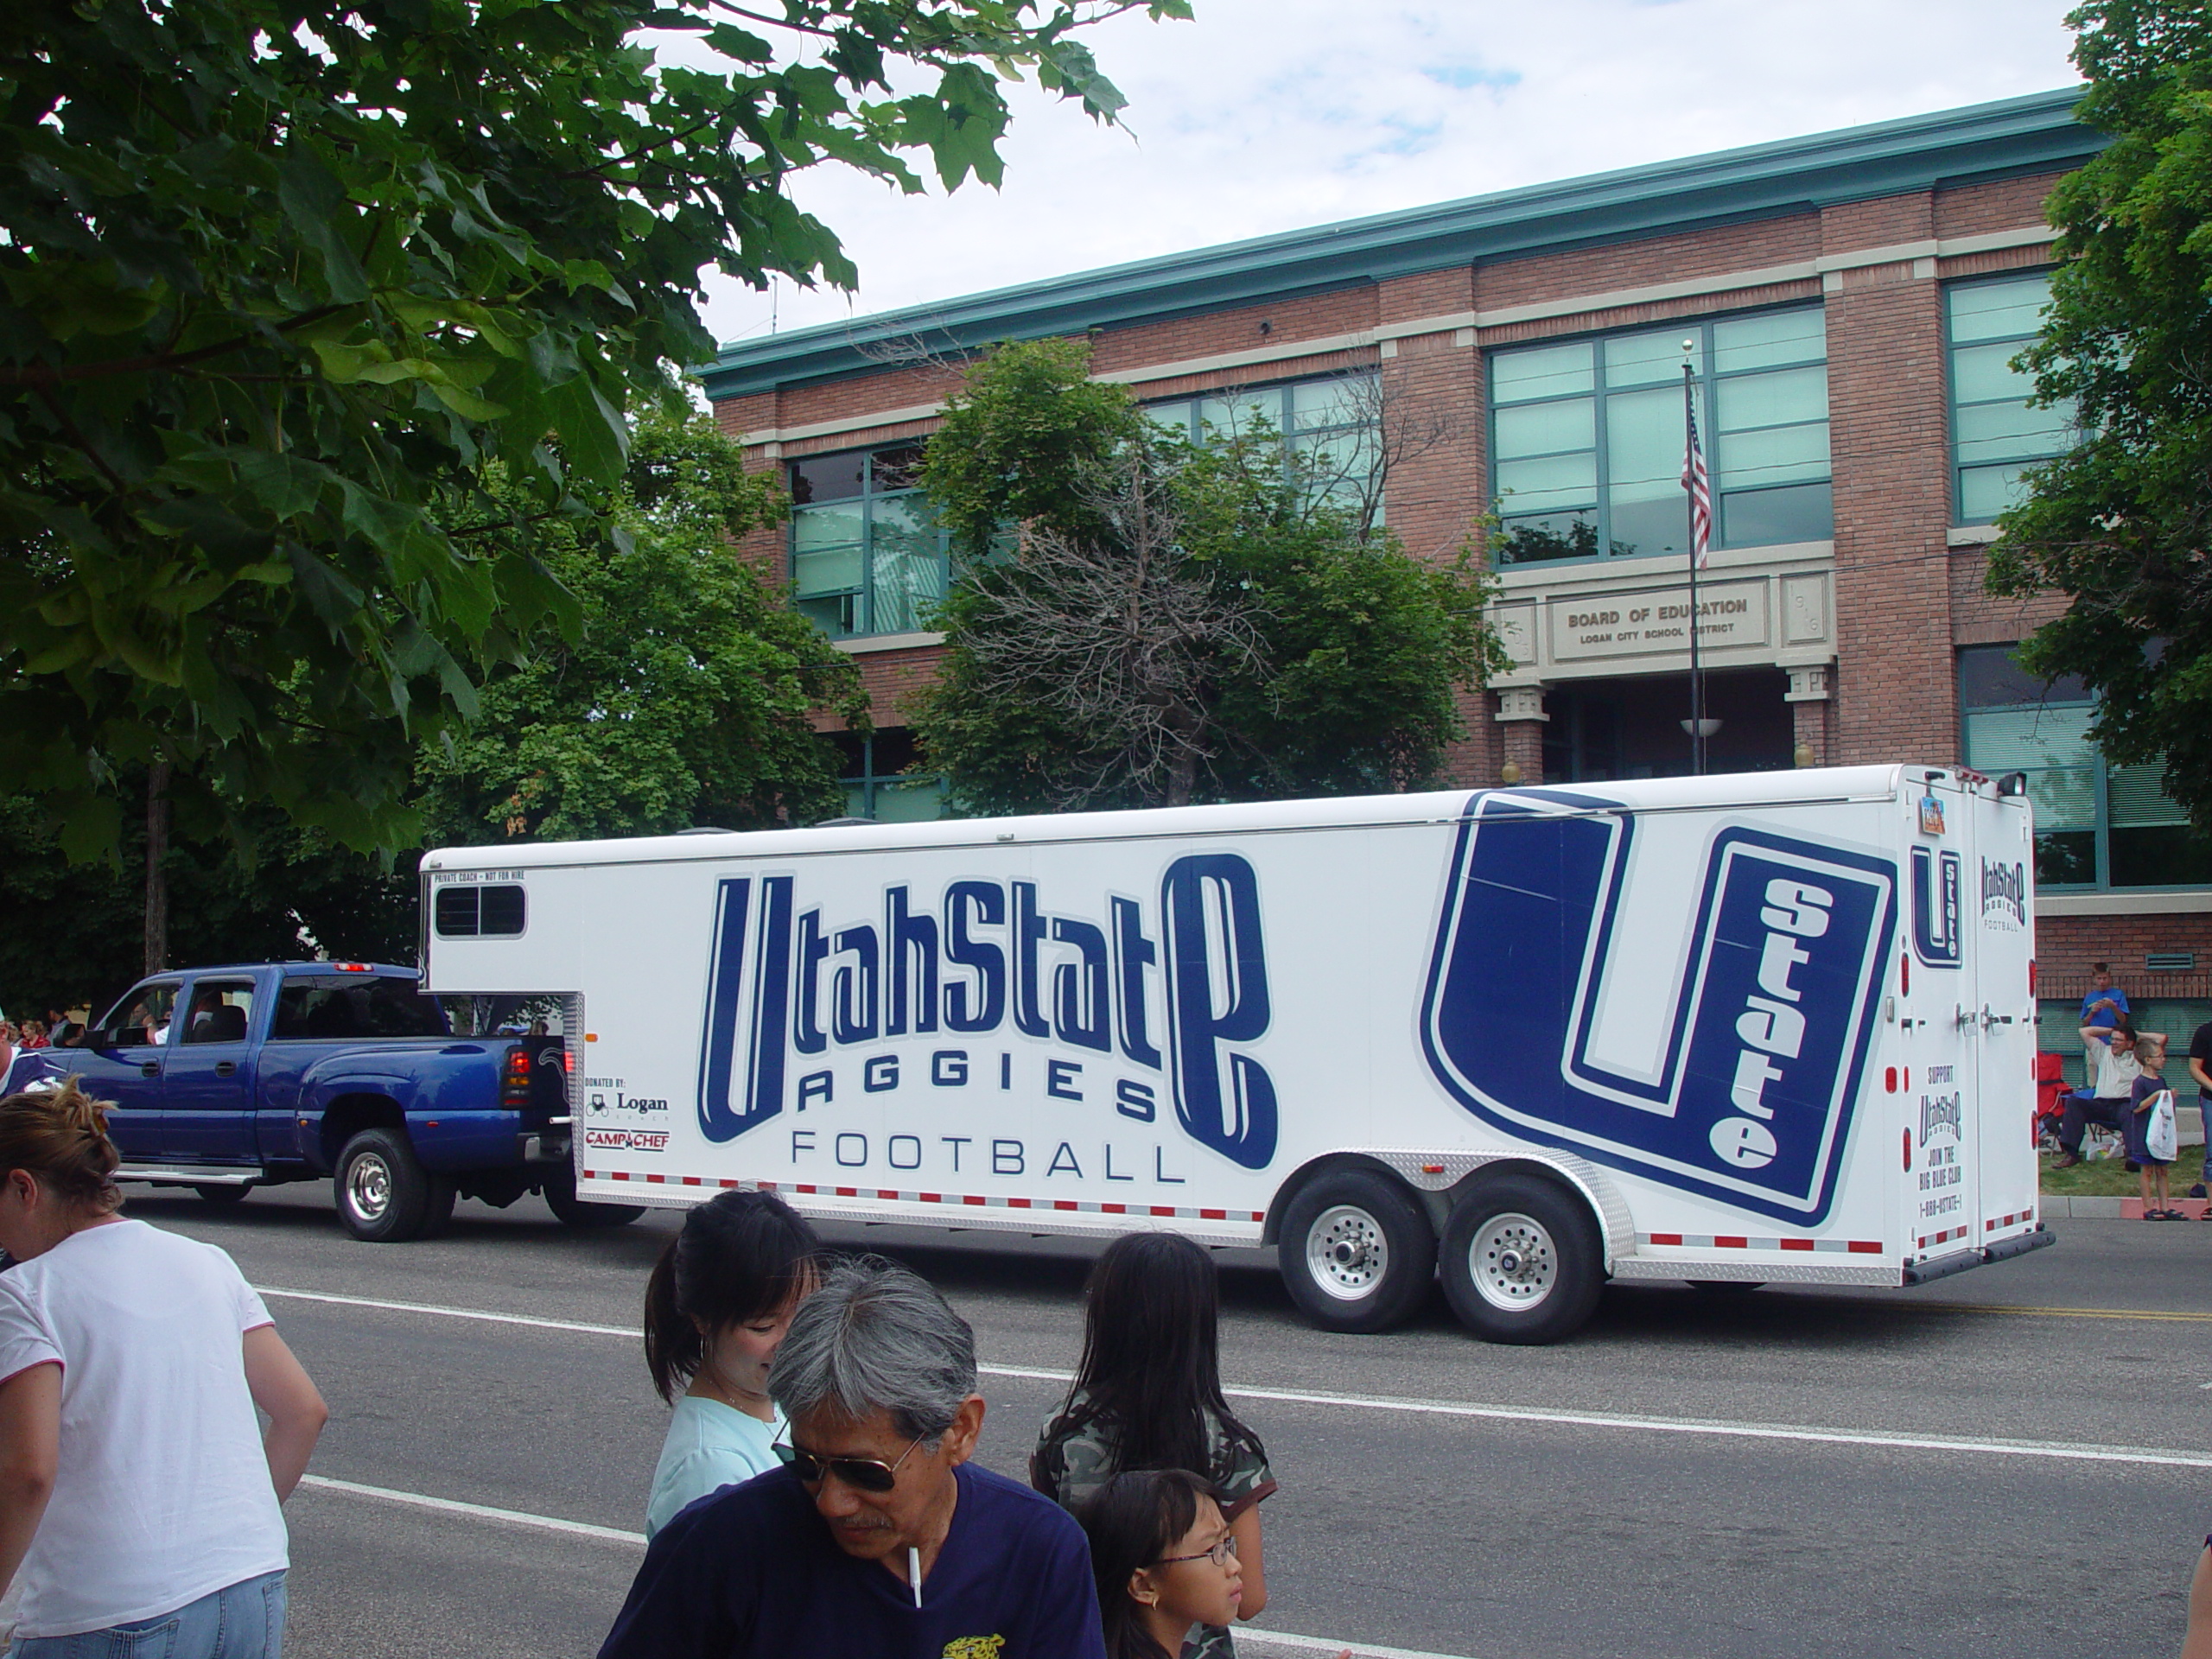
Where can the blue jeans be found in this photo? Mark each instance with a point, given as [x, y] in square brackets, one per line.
[245, 1621]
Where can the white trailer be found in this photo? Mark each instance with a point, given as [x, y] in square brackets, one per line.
[1768, 1027]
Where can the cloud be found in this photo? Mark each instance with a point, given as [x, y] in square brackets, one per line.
[1273, 115]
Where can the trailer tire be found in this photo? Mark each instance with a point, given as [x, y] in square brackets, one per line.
[223, 1195]
[1356, 1252]
[384, 1195]
[572, 1212]
[1522, 1261]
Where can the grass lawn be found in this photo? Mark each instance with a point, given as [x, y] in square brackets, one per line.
[2107, 1177]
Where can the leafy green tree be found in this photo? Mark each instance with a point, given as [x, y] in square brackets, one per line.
[282, 282]
[1173, 623]
[261, 891]
[685, 699]
[2120, 524]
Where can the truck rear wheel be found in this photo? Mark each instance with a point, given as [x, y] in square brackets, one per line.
[561, 1199]
[1522, 1261]
[383, 1193]
[1356, 1252]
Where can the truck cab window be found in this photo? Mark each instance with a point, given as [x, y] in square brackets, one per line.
[221, 1011]
[337, 1009]
[140, 1018]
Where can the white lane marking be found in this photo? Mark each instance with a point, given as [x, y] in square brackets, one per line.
[1253, 1638]
[1250, 1638]
[449, 1312]
[2058, 1450]
[479, 1511]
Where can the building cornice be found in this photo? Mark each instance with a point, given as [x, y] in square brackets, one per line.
[2021, 136]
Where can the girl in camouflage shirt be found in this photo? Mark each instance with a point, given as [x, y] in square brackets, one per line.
[1147, 1395]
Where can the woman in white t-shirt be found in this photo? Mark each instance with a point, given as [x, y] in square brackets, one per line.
[720, 1299]
[138, 1494]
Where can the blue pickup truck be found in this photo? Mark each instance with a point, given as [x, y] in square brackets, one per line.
[228, 1078]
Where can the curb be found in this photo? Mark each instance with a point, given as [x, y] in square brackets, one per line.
[2063, 1209]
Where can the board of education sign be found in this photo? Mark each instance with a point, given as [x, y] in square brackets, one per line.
[1656, 621]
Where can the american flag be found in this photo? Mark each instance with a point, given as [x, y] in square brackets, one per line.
[1700, 488]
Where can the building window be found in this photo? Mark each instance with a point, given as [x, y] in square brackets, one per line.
[1995, 436]
[1587, 438]
[867, 555]
[878, 785]
[2097, 825]
[1332, 422]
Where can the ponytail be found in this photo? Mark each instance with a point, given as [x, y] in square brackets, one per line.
[740, 1257]
[61, 1136]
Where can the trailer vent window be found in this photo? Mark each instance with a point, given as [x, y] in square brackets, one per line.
[489, 912]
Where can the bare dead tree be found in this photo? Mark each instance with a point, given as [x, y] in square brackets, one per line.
[1123, 638]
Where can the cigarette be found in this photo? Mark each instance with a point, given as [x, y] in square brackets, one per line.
[914, 1573]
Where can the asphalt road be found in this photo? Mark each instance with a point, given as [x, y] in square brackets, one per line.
[2011, 1462]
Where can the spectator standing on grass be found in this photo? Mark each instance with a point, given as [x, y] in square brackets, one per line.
[880, 1537]
[2104, 1004]
[138, 1493]
[2143, 1098]
[718, 1304]
[1147, 1395]
[2200, 1069]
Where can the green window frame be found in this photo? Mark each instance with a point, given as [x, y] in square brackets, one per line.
[1330, 420]
[1585, 438]
[1995, 434]
[2098, 826]
[877, 785]
[867, 555]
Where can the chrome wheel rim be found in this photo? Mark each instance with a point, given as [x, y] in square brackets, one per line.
[368, 1186]
[1512, 1261]
[1346, 1253]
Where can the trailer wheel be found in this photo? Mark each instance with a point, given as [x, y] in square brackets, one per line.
[383, 1193]
[572, 1212]
[1522, 1261]
[1356, 1252]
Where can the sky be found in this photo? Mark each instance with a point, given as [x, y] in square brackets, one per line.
[1273, 115]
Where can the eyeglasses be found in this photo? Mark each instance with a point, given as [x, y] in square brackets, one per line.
[1221, 1554]
[863, 1474]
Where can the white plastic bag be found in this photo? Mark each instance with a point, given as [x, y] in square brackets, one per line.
[2158, 1133]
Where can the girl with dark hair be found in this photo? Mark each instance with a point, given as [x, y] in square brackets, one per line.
[1147, 1396]
[719, 1301]
[1165, 1559]
[139, 1492]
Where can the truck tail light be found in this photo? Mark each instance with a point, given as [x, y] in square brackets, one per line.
[514, 1079]
[2031, 976]
[1904, 975]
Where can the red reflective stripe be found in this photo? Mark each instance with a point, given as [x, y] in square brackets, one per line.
[930, 1198]
[1796, 1243]
[880, 1193]
[1865, 1247]
[1113, 1209]
[1017, 1204]
[1665, 1238]
[848, 1191]
[1721, 1243]
[1065, 1204]
[972, 1199]
[1213, 1215]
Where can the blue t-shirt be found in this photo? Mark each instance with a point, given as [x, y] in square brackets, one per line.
[2103, 1016]
[753, 1573]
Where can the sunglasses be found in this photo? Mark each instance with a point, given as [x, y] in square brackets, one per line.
[1221, 1554]
[862, 1474]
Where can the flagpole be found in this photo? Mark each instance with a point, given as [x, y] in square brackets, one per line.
[1689, 500]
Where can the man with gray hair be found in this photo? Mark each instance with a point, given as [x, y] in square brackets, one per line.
[879, 1538]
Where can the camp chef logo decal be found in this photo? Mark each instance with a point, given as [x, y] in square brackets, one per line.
[627, 1139]
[1751, 1103]
[2004, 894]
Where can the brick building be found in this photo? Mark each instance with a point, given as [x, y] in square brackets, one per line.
[1847, 305]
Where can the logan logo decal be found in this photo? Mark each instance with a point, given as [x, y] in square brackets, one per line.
[2004, 894]
[1183, 991]
[1751, 1102]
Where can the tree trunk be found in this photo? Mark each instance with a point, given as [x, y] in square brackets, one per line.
[157, 881]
